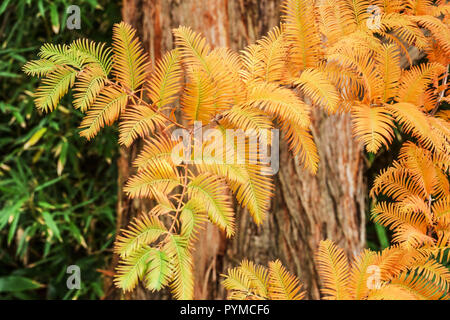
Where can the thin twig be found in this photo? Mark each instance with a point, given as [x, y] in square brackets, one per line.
[151, 106]
[441, 95]
[180, 201]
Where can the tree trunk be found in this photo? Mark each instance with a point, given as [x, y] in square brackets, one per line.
[306, 208]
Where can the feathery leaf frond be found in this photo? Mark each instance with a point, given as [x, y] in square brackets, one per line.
[360, 273]
[62, 55]
[144, 230]
[159, 148]
[214, 197]
[106, 109]
[302, 144]
[373, 126]
[54, 87]
[132, 269]
[316, 86]
[333, 269]
[414, 82]
[39, 67]
[94, 53]
[390, 71]
[130, 62]
[181, 265]
[165, 82]
[301, 33]
[90, 82]
[279, 102]
[153, 181]
[282, 284]
[158, 270]
[138, 121]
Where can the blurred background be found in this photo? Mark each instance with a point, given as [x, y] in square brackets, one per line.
[59, 195]
[57, 192]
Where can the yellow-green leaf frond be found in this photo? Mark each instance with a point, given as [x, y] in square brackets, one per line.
[282, 284]
[94, 53]
[165, 81]
[181, 265]
[230, 170]
[192, 218]
[62, 55]
[54, 87]
[106, 109]
[158, 273]
[258, 276]
[143, 230]
[130, 62]
[39, 67]
[132, 269]
[214, 196]
[239, 285]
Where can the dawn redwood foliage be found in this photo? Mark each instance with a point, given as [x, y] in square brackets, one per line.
[336, 55]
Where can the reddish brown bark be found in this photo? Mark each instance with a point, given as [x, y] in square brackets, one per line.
[306, 208]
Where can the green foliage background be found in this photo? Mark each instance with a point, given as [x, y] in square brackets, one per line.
[57, 192]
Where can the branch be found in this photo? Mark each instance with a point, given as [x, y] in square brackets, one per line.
[441, 95]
